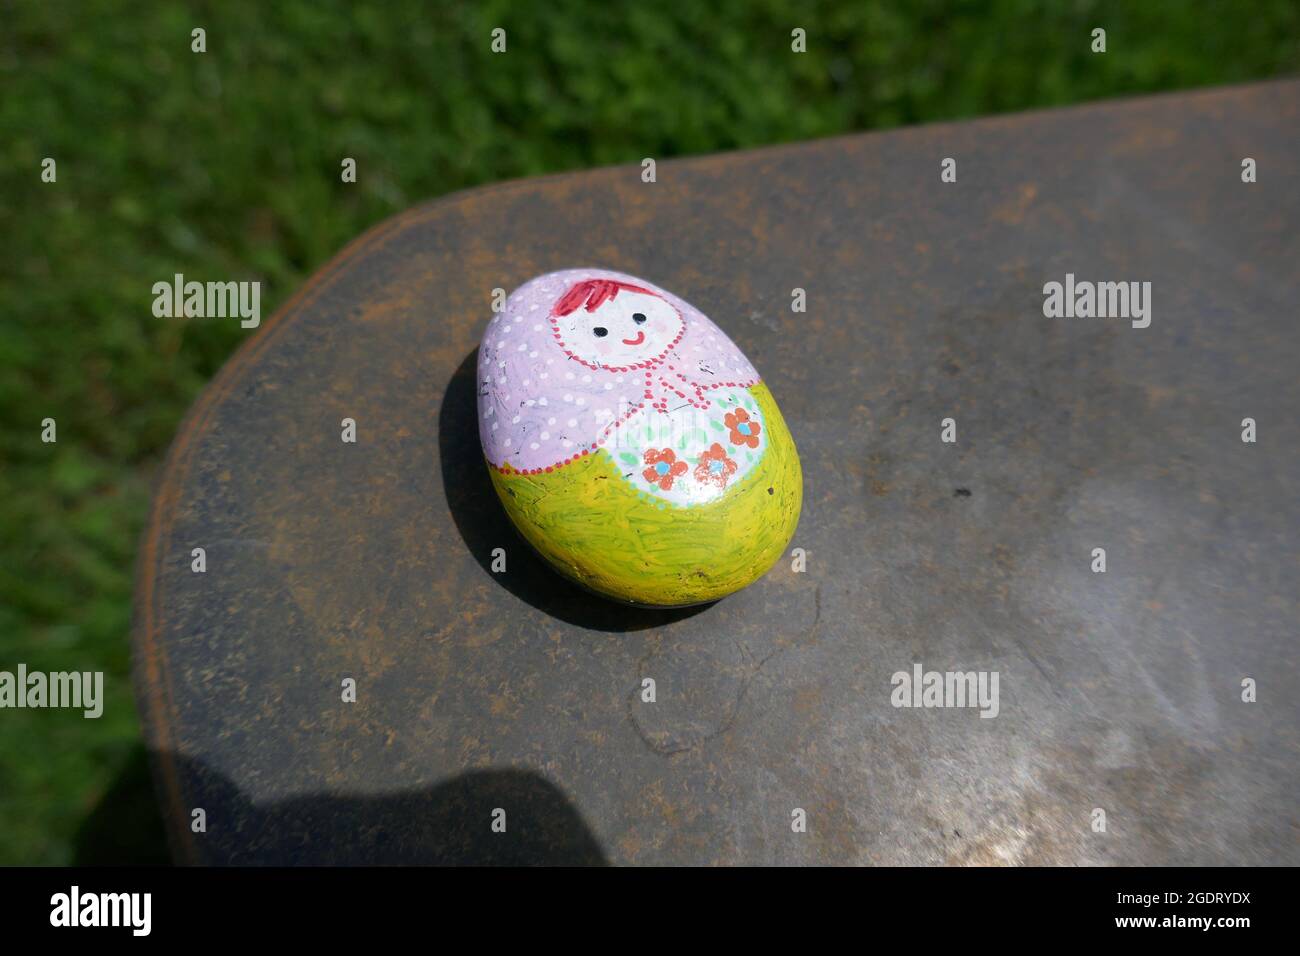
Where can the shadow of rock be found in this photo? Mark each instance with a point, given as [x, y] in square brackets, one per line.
[483, 525]
[449, 824]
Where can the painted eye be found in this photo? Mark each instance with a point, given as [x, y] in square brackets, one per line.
[599, 332]
[638, 317]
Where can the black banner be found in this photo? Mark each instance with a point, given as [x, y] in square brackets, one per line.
[330, 905]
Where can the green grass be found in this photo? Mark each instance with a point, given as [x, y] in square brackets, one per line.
[225, 165]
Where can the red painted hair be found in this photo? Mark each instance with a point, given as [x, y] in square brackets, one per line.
[594, 293]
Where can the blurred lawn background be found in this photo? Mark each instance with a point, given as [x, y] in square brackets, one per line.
[225, 165]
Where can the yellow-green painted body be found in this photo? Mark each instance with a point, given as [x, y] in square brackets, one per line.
[593, 525]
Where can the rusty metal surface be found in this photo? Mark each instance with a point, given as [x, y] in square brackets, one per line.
[478, 690]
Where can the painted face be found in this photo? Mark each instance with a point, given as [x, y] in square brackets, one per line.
[628, 330]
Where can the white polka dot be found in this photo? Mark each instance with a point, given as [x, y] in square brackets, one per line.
[573, 422]
[534, 446]
[550, 421]
[582, 401]
[569, 376]
[515, 420]
[507, 442]
[568, 398]
[546, 436]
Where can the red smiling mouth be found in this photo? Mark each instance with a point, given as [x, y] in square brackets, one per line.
[640, 337]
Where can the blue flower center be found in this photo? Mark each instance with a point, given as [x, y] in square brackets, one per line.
[715, 467]
[743, 428]
[661, 468]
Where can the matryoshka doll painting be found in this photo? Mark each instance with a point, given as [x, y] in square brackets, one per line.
[631, 442]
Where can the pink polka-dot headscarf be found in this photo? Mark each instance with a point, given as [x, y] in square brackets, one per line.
[549, 394]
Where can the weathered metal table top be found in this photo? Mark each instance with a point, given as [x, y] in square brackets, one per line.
[1120, 691]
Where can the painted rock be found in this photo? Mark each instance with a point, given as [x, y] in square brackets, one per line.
[631, 442]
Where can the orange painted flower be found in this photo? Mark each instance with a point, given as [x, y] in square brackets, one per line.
[744, 430]
[663, 467]
[715, 466]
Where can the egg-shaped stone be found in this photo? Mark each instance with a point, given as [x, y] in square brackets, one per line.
[631, 442]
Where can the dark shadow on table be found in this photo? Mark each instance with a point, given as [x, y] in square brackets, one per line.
[483, 525]
[449, 824]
